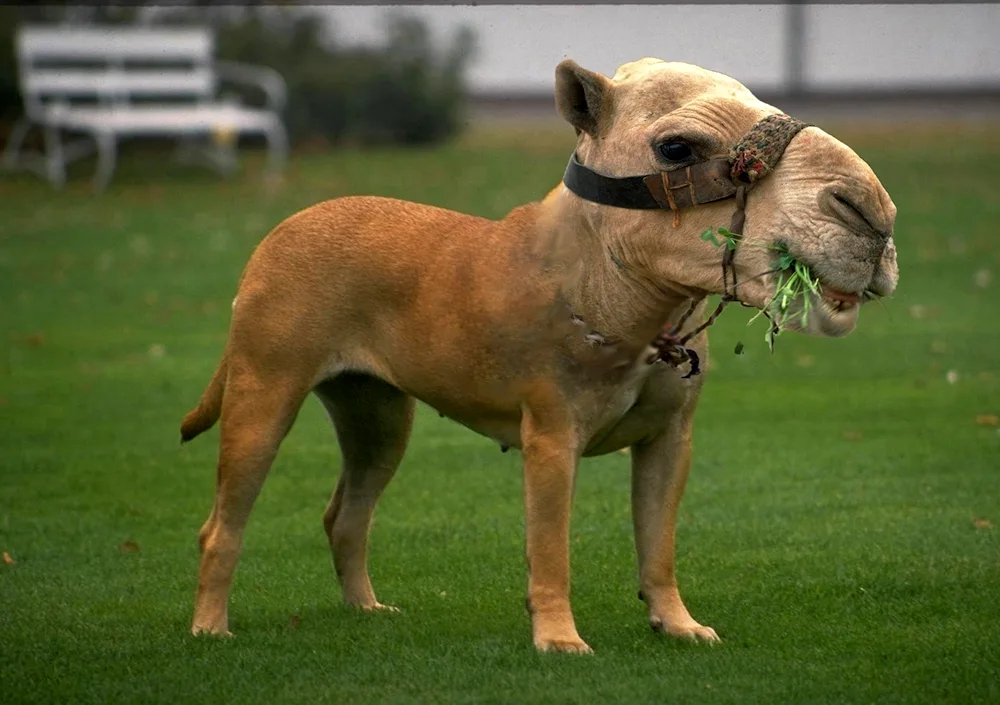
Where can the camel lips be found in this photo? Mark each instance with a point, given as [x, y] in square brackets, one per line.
[839, 296]
[840, 301]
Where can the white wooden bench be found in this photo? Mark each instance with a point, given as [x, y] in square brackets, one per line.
[112, 82]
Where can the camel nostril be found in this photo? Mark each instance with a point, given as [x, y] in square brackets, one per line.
[850, 210]
[855, 217]
[846, 203]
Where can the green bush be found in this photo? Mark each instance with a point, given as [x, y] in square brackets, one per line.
[405, 92]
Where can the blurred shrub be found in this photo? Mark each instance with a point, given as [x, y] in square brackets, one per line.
[408, 91]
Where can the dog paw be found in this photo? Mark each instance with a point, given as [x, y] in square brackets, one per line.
[692, 631]
[206, 631]
[564, 646]
[377, 607]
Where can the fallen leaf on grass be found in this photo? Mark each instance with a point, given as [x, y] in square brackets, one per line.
[852, 435]
[7, 560]
[987, 420]
[979, 524]
[140, 246]
[129, 547]
[36, 340]
[294, 622]
[105, 261]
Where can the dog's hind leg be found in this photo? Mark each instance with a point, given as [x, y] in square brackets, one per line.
[373, 421]
[257, 412]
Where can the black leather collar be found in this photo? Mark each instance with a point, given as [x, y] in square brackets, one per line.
[627, 192]
[702, 182]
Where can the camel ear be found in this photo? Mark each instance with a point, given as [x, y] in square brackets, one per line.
[582, 96]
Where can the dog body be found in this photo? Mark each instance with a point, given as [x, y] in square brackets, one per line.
[462, 313]
[533, 330]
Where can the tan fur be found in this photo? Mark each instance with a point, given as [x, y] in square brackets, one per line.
[371, 303]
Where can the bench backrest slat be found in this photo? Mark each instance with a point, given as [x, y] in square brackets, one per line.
[110, 44]
[99, 82]
[115, 63]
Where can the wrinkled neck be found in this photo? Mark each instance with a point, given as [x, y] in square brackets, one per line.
[614, 299]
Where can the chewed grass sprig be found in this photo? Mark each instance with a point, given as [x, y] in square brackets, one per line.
[795, 283]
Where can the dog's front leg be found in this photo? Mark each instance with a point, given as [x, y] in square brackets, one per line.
[550, 447]
[659, 473]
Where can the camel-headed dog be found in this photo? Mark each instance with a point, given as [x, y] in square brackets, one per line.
[562, 330]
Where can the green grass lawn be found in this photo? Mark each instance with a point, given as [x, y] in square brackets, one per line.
[841, 528]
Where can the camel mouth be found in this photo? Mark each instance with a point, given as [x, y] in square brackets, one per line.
[839, 303]
[832, 288]
[841, 299]
[836, 302]
[836, 311]
[826, 303]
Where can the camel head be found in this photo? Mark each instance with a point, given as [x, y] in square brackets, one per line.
[819, 201]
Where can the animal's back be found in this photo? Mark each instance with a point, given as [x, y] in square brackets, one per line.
[416, 295]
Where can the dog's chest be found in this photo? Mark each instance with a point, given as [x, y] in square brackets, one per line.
[622, 399]
[638, 409]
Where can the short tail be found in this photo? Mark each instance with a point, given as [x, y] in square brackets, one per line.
[204, 416]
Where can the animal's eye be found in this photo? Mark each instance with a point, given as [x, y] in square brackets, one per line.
[675, 151]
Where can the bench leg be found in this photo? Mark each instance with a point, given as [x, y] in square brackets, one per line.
[12, 150]
[55, 164]
[225, 159]
[277, 148]
[107, 148]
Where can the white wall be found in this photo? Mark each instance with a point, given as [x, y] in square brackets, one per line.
[876, 46]
[856, 45]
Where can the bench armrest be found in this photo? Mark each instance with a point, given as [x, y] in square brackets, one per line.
[265, 78]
